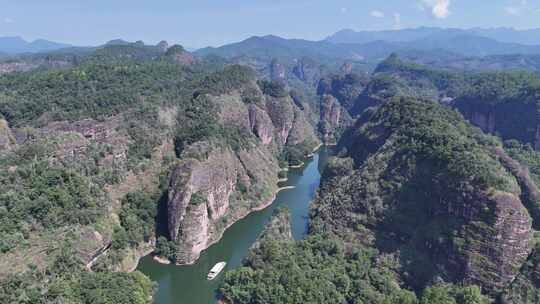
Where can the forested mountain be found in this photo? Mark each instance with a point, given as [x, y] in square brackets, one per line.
[415, 200]
[453, 42]
[419, 206]
[113, 152]
[90, 153]
[502, 103]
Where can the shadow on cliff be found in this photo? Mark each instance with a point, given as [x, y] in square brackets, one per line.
[162, 225]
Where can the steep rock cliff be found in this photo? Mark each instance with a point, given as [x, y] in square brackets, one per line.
[340, 100]
[511, 119]
[308, 70]
[216, 182]
[206, 196]
[7, 140]
[277, 71]
[178, 54]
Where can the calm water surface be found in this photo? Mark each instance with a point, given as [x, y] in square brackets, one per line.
[188, 284]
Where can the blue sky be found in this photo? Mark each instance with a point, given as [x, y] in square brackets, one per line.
[201, 23]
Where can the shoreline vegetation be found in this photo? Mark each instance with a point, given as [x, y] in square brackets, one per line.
[165, 261]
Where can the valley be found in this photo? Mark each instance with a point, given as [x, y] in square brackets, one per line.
[237, 240]
[409, 168]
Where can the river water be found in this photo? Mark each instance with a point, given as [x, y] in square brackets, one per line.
[188, 284]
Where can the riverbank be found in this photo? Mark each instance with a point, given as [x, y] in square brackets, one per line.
[164, 261]
[188, 284]
[161, 260]
[286, 188]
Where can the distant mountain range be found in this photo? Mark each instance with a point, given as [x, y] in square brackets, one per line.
[368, 46]
[361, 46]
[16, 45]
[503, 34]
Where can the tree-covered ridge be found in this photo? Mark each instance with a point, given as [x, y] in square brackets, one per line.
[66, 281]
[88, 144]
[39, 197]
[503, 103]
[346, 88]
[82, 131]
[315, 270]
[526, 155]
[417, 182]
[320, 269]
[90, 90]
[490, 87]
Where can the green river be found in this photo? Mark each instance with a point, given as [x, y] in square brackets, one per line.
[188, 284]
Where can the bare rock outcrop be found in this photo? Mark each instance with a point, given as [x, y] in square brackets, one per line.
[7, 140]
[277, 71]
[261, 124]
[493, 258]
[215, 185]
[206, 196]
[331, 114]
[179, 55]
[308, 71]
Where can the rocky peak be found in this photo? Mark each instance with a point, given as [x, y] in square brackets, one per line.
[117, 42]
[307, 70]
[277, 71]
[179, 55]
[346, 68]
[163, 45]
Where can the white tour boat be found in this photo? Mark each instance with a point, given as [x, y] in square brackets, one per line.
[214, 272]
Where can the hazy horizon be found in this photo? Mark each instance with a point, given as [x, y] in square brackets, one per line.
[197, 24]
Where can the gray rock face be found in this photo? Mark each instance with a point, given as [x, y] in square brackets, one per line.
[163, 45]
[277, 71]
[346, 68]
[330, 119]
[485, 121]
[281, 113]
[493, 259]
[206, 196]
[308, 71]
[214, 186]
[260, 124]
[7, 140]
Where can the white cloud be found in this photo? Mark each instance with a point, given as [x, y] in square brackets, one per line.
[513, 10]
[397, 21]
[440, 9]
[517, 8]
[8, 20]
[377, 14]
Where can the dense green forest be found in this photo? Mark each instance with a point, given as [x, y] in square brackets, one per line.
[491, 87]
[408, 211]
[88, 173]
[384, 219]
